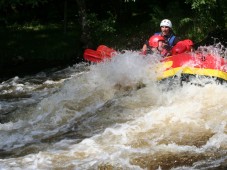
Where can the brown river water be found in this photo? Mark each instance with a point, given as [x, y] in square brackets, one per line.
[112, 115]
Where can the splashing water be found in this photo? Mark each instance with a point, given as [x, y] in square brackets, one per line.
[111, 115]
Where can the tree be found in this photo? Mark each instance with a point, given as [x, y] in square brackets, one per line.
[9, 7]
[85, 28]
[209, 15]
[65, 15]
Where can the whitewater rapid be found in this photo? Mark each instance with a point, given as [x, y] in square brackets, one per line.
[111, 115]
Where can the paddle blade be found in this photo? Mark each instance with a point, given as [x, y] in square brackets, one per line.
[92, 56]
[106, 51]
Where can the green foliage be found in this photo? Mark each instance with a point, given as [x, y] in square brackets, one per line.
[33, 42]
[129, 0]
[200, 5]
[156, 16]
[128, 23]
[204, 19]
[21, 2]
[185, 21]
[100, 29]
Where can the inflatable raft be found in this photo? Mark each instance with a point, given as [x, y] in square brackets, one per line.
[183, 64]
[207, 65]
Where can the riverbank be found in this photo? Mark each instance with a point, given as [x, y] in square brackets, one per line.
[30, 49]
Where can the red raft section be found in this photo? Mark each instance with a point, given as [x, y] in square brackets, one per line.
[100, 54]
[194, 64]
[191, 63]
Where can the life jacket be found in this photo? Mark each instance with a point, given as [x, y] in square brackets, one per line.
[169, 39]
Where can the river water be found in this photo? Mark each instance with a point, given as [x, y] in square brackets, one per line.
[112, 115]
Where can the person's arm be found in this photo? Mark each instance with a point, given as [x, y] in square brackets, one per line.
[144, 49]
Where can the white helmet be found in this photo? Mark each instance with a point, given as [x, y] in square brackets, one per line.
[166, 22]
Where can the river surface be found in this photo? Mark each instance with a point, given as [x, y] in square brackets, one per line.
[112, 115]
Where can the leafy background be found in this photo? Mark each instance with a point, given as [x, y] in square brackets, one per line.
[42, 34]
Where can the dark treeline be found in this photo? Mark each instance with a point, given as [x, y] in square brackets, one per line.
[70, 26]
[191, 18]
